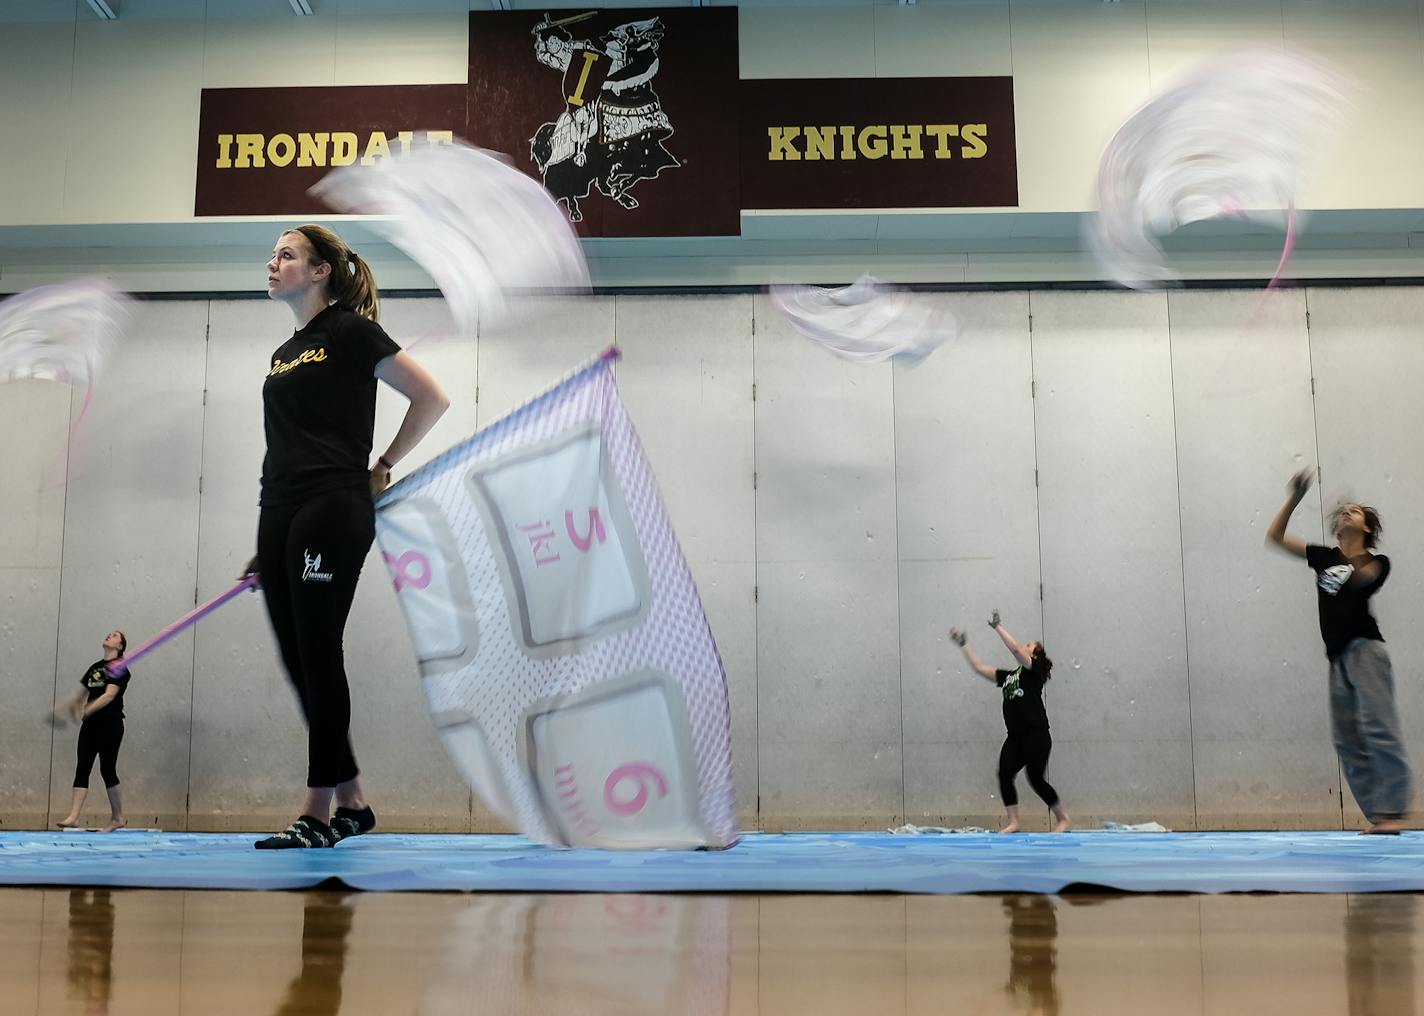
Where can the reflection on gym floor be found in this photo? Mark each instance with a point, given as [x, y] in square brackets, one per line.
[153, 952]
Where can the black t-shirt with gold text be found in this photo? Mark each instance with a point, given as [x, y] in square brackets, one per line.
[95, 680]
[319, 407]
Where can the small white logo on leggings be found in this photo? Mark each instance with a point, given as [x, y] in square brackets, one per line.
[312, 572]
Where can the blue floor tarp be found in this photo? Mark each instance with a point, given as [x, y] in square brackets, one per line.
[1313, 862]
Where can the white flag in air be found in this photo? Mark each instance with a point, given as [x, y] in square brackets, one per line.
[568, 664]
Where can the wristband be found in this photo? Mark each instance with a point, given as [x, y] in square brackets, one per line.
[381, 461]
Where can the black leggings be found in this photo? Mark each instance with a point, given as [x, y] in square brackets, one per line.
[1028, 750]
[100, 739]
[310, 556]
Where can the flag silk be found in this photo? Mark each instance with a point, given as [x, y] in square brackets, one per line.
[563, 648]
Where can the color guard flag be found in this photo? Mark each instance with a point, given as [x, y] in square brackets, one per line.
[565, 655]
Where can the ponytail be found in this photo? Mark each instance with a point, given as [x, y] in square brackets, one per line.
[1041, 664]
[351, 284]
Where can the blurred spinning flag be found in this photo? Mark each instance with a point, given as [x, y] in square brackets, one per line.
[565, 655]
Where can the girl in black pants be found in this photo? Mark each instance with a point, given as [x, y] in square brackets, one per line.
[1028, 742]
[100, 707]
[318, 520]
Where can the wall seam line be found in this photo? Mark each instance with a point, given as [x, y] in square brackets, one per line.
[198, 565]
[1320, 497]
[756, 579]
[899, 606]
[1037, 490]
[1182, 551]
[59, 607]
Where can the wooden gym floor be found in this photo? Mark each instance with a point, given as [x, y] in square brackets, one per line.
[155, 952]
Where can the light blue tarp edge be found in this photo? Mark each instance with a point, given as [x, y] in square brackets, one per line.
[1314, 862]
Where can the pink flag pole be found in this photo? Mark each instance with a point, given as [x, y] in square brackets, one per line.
[1287, 250]
[186, 621]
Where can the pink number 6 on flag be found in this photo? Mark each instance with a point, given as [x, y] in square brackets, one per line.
[642, 773]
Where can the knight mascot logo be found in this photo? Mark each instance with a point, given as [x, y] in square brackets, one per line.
[610, 134]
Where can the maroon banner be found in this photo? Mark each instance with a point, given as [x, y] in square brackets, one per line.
[878, 143]
[627, 116]
[259, 149]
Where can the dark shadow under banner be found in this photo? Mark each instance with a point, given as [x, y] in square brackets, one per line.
[878, 143]
[629, 117]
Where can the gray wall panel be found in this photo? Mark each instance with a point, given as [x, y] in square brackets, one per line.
[1124, 779]
[686, 378]
[1241, 382]
[249, 744]
[130, 551]
[27, 647]
[1369, 365]
[890, 503]
[31, 543]
[545, 339]
[827, 616]
[32, 498]
[1111, 546]
[953, 783]
[968, 541]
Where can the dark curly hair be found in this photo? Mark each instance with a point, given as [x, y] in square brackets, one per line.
[1372, 522]
[1040, 663]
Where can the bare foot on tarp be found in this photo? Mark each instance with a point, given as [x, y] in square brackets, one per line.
[1385, 827]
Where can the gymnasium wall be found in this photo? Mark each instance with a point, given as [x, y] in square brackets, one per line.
[102, 117]
[1125, 451]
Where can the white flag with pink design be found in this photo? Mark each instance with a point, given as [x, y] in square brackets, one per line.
[565, 655]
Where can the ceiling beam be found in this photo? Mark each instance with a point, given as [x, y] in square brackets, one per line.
[105, 9]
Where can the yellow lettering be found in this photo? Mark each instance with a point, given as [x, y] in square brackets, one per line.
[848, 142]
[872, 141]
[311, 148]
[905, 142]
[249, 151]
[376, 148]
[224, 151]
[781, 147]
[974, 134]
[343, 148]
[404, 137]
[942, 132]
[820, 142]
[440, 137]
[308, 356]
[281, 149]
[589, 59]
